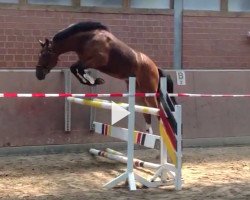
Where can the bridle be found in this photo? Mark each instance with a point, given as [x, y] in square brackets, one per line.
[46, 68]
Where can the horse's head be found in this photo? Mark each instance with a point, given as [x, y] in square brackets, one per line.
[47, 59]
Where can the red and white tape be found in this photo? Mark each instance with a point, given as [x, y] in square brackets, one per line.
[89, 95]
[86, 95]
[208, 95]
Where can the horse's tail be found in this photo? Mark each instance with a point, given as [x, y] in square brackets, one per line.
[170, 84]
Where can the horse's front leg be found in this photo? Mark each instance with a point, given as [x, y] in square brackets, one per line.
[79, 71]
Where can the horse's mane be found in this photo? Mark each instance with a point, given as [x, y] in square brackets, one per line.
[78, 27]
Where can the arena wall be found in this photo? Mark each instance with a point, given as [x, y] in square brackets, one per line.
[210, 41]
[216, 41]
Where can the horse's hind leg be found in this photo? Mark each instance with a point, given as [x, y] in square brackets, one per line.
[148, 79]
[144, 102]
[150, 102]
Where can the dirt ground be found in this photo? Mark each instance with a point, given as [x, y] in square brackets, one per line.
[211, 173]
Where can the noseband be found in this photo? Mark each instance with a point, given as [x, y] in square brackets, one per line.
[46, 68]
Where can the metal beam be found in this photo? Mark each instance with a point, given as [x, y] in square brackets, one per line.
[67, 104]
[178, 8]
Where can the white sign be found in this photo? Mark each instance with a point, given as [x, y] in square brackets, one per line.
[117, 113]
[181, 78]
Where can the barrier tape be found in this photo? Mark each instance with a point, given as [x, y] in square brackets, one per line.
[86, 95]
[90, 95]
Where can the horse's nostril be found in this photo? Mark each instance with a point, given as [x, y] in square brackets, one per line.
[40, 76]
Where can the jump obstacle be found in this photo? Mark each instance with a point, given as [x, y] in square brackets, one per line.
[169, 140]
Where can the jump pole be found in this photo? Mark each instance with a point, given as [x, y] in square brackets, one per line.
[129, 174]
[108, 105]
[144, 164]
[178, 174]
[117, 156]
[164, 153]
[144, 139]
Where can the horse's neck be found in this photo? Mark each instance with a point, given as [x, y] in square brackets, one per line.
[66, 45]
[72, 43]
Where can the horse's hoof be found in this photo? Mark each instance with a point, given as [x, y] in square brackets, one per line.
[99, 81]
[148, 131]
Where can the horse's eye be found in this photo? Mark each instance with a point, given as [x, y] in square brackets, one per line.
[45, 54]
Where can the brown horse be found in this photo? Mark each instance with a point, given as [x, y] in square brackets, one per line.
[99, 49]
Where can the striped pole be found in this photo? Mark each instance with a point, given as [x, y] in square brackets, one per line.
[108, 105]
[86, 95]
[144, 139]
[92, 95]
[208, 95]
[112, 151]
[124, 159]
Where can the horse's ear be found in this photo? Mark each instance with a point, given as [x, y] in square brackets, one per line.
[41, 43]
[47, 42]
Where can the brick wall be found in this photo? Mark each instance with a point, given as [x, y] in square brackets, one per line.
[21, 29]
[208, 41]
[216, 42]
